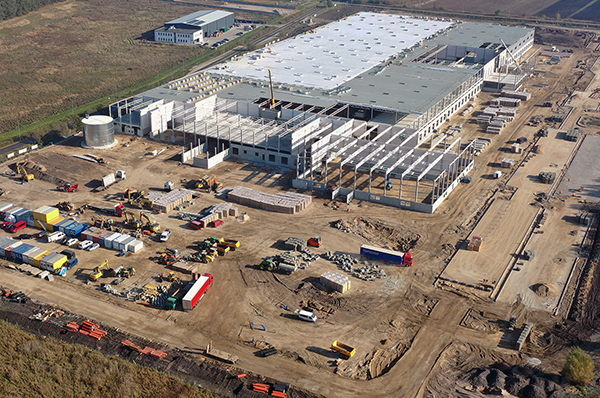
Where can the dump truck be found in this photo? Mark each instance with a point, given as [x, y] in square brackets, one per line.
[343, 349]
[116, 210]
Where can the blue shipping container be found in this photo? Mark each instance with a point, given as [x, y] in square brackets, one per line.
[390, 256]
[17, 254]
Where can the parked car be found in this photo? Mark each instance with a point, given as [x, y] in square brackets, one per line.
[93, 247]
[85, 244]
[165, 235]
[7, 224]
[24, 236]
[18, 226]
[72, 241]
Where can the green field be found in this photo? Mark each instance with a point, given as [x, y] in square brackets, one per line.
[67, 58]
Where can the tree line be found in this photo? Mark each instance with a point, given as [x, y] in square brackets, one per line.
[14, 8]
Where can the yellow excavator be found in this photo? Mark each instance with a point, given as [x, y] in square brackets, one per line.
[142, 203]
[26, 176]
[97, 273]
[131, 222]
[150, 224]
[101, 222]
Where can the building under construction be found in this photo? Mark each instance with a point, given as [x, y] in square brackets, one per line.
[353, 106]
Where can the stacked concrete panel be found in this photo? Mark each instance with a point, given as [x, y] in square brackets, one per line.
[522, 95]
[335, 281]
[289, 202]
[573, 134]
[505, 101]
[507, 163]
[165, 202]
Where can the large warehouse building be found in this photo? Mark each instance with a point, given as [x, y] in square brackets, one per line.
[354, 102]
[193, 28]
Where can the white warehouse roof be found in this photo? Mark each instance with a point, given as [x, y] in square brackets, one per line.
[200, 18]
[337, 52]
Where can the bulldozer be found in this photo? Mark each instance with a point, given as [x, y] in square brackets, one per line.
[23, 172]
[151, 225]
[98, 273]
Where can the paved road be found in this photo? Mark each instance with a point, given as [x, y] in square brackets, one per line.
[18, 145]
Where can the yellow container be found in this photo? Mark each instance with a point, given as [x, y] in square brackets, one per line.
[46, 213]
[50, 224]
[57, 261]
[38, 259]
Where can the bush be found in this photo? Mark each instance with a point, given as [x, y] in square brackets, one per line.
[579, 369]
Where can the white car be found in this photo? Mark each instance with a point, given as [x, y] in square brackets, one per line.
[72, 241]
[165, 235]
[85, 244]
[93, 247]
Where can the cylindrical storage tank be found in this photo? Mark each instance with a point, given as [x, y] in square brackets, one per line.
[98, 131]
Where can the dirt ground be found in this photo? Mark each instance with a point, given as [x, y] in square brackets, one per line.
[405, 331]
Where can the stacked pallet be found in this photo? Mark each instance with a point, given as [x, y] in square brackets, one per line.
[219, 212]
[165, 202]
[516, 148]
[507, 163]
[475, 244]
[335, 281]
[573, 135]
[184, 267]
[289, 202]
[522, 95]
[547, 177]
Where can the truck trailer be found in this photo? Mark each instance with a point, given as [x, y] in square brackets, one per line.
[197, 291]
[390, 256]
[116, 210]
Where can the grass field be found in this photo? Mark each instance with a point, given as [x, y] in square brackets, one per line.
[72, 53]
[34, 367]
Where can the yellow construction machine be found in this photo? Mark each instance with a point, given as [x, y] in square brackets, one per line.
[142, 203]
[151, 225]
[97, 273]
[131, 194]
[26, 176]
[209, 183]
[102, 222]
[131, 222]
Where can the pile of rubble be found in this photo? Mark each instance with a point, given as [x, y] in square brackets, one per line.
[347, 263]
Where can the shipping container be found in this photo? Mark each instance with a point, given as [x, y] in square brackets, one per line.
[75, 229]
[108, 242]
[117, 242]
[197, 291]
[46, 214]
[382, 254]
[17, 254]
[32, 254]
[37, 260]
[9, 215]
[9, 249]
[124, 244]
[53, 261]
[4, 213]
[50, 224]
[136, 246]
[5, 206]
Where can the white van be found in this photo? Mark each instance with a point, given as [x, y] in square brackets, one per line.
[306, 316]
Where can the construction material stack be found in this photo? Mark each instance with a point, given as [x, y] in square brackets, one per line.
[166, 202]
[295, 243]
[475, 244]
[88, 328]
[506, 101]
[507, 163]
[521, 95]
[288, 203]
[335, 281]
[547, 177]
[573, 135]
[146, 350]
